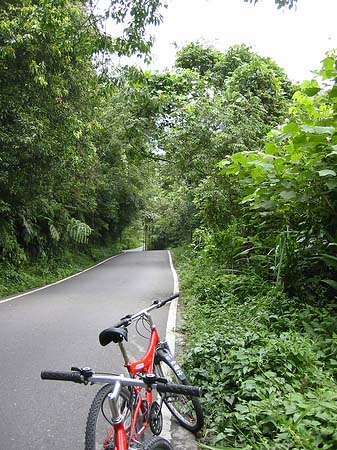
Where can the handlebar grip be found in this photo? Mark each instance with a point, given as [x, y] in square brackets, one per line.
[163, 302]
[179, 389]
[62, 376]
[124, 322]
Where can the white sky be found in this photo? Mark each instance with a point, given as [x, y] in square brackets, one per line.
[296, 39]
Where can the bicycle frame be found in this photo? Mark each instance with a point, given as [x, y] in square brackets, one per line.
[121, 442]
[143, 366]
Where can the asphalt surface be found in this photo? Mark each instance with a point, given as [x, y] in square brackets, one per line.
[58, 327]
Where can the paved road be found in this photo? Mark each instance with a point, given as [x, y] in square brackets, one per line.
[58, 327]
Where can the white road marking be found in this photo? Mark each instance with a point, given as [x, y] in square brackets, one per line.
[57, 282]
[171, 340]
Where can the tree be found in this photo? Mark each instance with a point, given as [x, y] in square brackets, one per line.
[53, 93]
[290, 189]
[137, 15]
[196, 57]
[219, 104]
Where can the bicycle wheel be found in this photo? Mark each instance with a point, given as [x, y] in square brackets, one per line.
[157, 443]
[187, 410]
[99, 433]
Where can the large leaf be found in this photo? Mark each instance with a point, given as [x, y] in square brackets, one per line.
[317, 129]
[310, 88]
[288, 195]
[326, 173]
[329, 260]
[331, 283]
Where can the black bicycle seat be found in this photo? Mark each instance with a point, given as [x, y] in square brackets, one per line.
[113, 335]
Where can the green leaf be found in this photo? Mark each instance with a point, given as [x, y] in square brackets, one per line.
[333, 93]
[271, 148]
[79, 231]
[54, 233]
[331, 283]
[288, 195]
[290, 128]
[239, 158]
[310, 88]
[334, 151]
[329, 63]
[331, 184]
[224, 162]
[317, 129]
[329, 260]
[326, 173]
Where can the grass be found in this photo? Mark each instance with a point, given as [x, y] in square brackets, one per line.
[267, 363]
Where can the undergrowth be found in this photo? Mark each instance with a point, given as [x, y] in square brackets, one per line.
[267, 363]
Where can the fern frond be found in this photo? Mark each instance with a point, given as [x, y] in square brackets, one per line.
[54, 233]
[79, 231]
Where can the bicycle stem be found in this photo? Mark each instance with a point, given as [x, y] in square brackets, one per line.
[116, 417]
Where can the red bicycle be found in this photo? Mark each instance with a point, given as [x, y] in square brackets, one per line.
[157, 361]
[125, 408]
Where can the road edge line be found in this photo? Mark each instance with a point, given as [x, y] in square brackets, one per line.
[172, 315]
[171, 340]
[57, 282]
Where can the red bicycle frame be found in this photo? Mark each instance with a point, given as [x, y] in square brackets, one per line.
[142, 366]
[121, 442]
[145, 364]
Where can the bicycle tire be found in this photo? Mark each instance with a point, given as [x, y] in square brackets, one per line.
[98, 427]
[187, 410]
[157, 443]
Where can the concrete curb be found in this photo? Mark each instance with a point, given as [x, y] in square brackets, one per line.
[179, 437]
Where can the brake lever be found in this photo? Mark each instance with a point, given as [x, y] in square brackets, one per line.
[86, 372]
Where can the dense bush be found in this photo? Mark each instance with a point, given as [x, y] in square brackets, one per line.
[267, 363]
[289, 187]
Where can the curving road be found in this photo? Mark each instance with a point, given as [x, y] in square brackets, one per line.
[58, 327]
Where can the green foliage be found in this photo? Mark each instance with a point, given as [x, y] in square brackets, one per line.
[257, 79]
[169, 214]
[136, 15]
[267, 364]
[66, 171]
[196, 57]
[218, 105]
[290, 185]
[78, 231]
[260, 283]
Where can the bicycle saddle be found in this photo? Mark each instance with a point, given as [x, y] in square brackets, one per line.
[113, 335]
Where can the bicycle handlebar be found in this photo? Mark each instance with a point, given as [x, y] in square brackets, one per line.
[179, 389]
[160, 303]
[126, 320]
[76, 377]
[62, 376]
